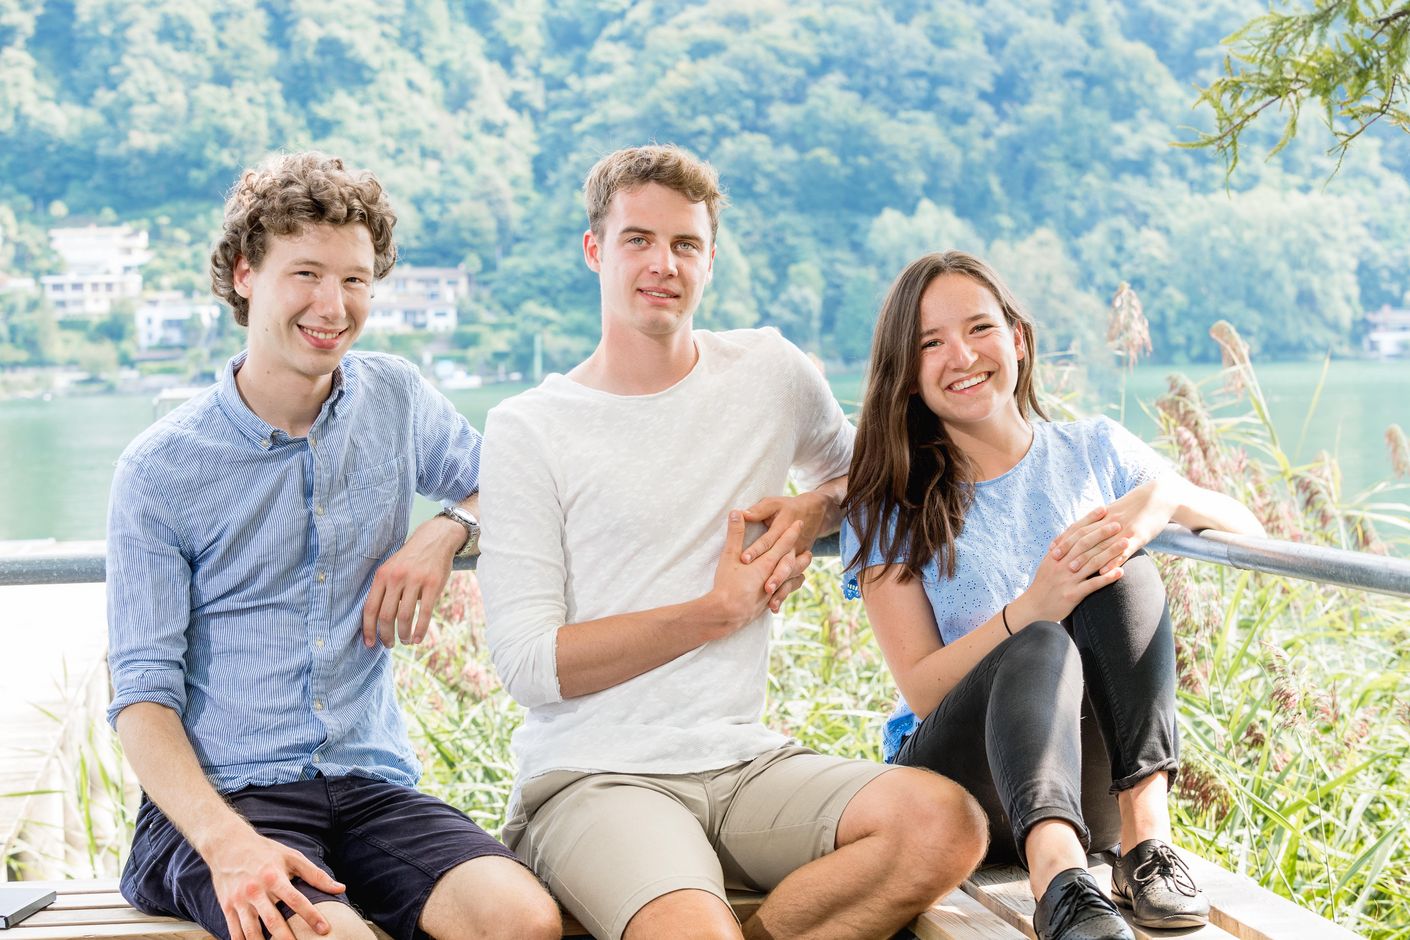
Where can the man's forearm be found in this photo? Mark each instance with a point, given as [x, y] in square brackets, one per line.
[598, 654]
[448, 533]
[156, 746]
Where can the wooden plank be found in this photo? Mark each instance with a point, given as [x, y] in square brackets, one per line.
[89, 916]
[165, 928]
[66, 886]
[961, 917]
[88, 901]
[1251, 912]
[1004, 890]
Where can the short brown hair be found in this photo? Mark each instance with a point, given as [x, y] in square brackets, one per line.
[283, 196]
[666, 164]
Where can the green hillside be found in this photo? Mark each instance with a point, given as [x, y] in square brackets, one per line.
[850, 136]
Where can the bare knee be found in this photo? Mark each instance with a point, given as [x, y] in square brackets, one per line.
[932, 827]
[344, 923]
[531, 915]
[491, 898]
[688, 914]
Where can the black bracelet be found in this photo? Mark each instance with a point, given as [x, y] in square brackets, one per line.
[1005, 614]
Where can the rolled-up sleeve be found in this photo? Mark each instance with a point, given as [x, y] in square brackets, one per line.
[447, 446]
[149, 597]
[522, 570]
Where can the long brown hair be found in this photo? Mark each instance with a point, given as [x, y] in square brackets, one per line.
[909, 485]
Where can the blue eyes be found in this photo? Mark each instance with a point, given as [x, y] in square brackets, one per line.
[638, 241]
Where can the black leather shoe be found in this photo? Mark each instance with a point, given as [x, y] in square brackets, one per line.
[1074, 908]
[1155, 884]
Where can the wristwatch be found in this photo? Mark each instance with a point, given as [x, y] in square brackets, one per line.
[472, 529]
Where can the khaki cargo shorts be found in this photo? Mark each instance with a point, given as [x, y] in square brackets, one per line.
[608, 844]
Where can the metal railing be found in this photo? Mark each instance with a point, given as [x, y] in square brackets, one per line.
[84, 562]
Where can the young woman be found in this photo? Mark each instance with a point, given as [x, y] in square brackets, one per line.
[999, 558]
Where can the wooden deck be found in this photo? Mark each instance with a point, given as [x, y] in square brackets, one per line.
[994, 904]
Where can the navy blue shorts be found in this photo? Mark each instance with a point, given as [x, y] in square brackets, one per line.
[389, 844]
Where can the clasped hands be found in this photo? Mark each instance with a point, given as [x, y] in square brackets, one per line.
[1088, 555]
[749, 579]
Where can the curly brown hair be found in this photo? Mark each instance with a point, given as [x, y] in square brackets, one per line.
[667, 164]
[284, 195]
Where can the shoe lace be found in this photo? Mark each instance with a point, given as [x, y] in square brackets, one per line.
[1164, 863]
[1075, 897]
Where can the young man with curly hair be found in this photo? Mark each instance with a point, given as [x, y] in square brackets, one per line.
[256, 582]
[629, 611]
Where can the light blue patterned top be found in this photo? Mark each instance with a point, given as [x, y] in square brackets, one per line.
[1072, 468]
[239, 558]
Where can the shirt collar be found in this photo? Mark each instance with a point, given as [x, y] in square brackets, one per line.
[344, 381]
[256, 429]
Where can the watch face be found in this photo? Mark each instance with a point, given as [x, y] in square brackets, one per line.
[472, 528]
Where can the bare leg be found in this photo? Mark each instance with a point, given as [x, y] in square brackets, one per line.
[488, 898]
[1145, 811]
[689, 914]
[907, 838]
[1052, 846]
[343, 921]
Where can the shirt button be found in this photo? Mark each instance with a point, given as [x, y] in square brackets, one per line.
[322, 576]
[311, 441]
[318, 704]
[318, 509]
[264, 443]
[317, 759]
[318, 642]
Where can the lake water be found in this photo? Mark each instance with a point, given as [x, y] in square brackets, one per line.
[56, 457]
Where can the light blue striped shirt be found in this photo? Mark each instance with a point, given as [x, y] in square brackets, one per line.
[239, 559]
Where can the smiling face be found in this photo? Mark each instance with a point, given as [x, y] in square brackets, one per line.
[968, 354]
[308, 300]
[653, 256]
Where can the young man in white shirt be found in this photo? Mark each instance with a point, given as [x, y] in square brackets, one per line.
[628, 611]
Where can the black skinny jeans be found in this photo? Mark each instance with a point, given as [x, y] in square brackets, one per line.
[1017, 731]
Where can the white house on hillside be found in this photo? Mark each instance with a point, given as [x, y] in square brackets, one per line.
[169, 318]
[413, 299]
[100, 266]
[1389, 335]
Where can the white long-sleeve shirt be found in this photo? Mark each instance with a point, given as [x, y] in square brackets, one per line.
[596, 504]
